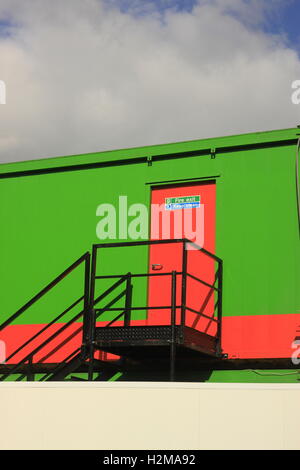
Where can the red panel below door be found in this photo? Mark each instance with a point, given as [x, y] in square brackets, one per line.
[260, 336]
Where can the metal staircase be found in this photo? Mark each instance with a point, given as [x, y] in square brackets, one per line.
[121, 343]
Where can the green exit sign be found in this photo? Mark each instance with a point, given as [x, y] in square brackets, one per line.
[182, 202]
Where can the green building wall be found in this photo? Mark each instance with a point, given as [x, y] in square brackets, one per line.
[48, 219]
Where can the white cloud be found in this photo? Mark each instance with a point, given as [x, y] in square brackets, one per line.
[83, 77]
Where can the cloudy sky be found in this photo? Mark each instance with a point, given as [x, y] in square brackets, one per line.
[89, 75]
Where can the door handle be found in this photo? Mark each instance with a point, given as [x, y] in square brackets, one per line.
[157, 267]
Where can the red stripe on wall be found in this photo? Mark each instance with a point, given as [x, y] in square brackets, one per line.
[56, 351]
[260, 336]
[244, 337]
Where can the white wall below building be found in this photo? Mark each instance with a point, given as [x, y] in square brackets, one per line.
[120, 415]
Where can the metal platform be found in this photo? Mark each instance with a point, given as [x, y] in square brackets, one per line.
[148, 341]
[173, 339]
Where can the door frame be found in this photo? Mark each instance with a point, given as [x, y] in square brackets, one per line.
[176, 183]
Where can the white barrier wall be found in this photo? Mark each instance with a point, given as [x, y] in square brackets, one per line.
[112, 415]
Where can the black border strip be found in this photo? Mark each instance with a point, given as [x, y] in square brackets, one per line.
[144, 159]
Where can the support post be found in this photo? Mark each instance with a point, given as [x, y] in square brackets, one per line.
[30, 375]
[183, 284]
[86, 313]
[91, 348]
[91, 323]
[128, 299]
[220, 292]
[173, 326]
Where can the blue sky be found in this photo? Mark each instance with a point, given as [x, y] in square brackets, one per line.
[4, 27]
[287, 21]
[160, 5]
[283, 19]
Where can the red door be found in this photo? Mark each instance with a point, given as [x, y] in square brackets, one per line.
[183, 212]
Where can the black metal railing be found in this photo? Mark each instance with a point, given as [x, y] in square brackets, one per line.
[92, 312]
[124, 313]
[29, 358]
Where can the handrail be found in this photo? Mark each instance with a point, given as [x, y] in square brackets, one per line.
[44, 291]
[38, 348]
[184, 272]
[45, 328]
[114, 276]
[85, 258]
[156, 242]
[215, 286]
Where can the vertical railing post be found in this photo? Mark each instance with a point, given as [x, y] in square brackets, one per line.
[91, 344]
[128, 300]
[91, 322]
[173, 327]
[86, 312]
[30, 375]
[220, 300]
[183, 283]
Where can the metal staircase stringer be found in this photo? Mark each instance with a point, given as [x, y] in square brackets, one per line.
[67, 368]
